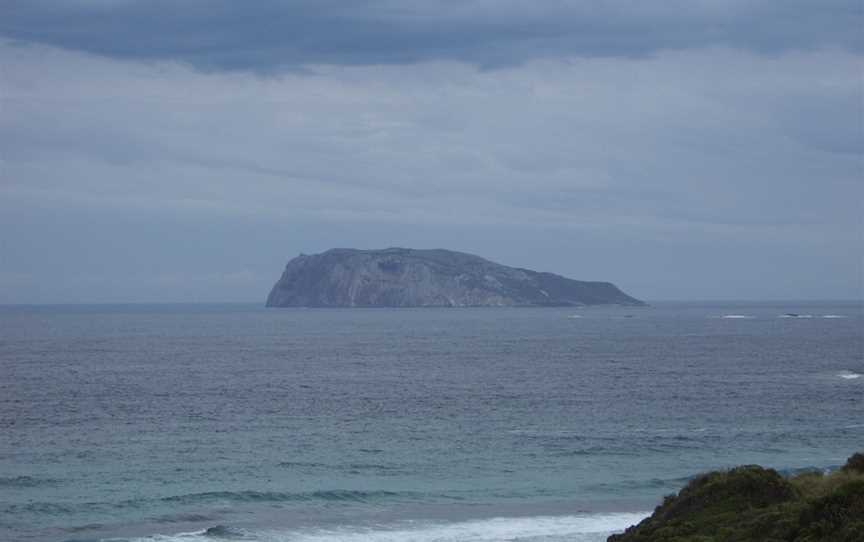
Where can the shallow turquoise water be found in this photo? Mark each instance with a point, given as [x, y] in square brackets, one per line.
[429, 424]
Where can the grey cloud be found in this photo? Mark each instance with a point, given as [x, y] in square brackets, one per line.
[598, 140]
[269, 35]
[828, 125]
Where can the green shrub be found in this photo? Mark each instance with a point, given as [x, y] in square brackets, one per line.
[754, 504]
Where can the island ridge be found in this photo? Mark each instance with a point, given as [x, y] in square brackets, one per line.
[405, 277]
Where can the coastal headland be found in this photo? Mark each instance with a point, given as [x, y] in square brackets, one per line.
[756, 504]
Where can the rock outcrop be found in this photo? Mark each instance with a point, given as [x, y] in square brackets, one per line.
[403, 277]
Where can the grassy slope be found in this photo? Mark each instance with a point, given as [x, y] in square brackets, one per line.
[755, 504]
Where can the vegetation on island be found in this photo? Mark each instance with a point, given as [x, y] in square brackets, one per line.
[754, 504]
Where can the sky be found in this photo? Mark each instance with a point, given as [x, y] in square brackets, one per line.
[156, 151]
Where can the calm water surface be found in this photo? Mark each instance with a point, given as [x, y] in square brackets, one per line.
[160, 422]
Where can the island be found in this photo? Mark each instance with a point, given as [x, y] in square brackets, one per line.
[405, 277]
[756, 504]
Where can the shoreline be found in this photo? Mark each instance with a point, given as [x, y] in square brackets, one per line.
[584, 526]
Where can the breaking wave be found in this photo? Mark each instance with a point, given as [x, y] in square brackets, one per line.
[576, 528]
[788, 473]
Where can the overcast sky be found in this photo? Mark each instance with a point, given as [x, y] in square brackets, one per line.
[185, 150]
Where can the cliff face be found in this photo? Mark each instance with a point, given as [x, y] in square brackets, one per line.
[401, 277]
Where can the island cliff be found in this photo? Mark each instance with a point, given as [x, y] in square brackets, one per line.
[404, 277]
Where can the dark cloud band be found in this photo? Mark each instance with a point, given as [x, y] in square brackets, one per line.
[269, 35]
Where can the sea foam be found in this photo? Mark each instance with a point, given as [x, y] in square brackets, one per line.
[577, 528]
[848, 375]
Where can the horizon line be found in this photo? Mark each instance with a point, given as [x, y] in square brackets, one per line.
[257, 302]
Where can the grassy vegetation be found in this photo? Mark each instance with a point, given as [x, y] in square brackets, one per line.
[754, 504]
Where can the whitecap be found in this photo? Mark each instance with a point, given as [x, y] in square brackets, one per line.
[834, 316]
[575, 528]
[848, 375]
[737, 317]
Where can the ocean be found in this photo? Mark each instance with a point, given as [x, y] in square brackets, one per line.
[235, 422]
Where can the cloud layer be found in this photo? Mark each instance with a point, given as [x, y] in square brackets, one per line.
[272, 35]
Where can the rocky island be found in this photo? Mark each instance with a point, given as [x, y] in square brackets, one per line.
[404, 277]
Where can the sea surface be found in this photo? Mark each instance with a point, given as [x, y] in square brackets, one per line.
[233, 422]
